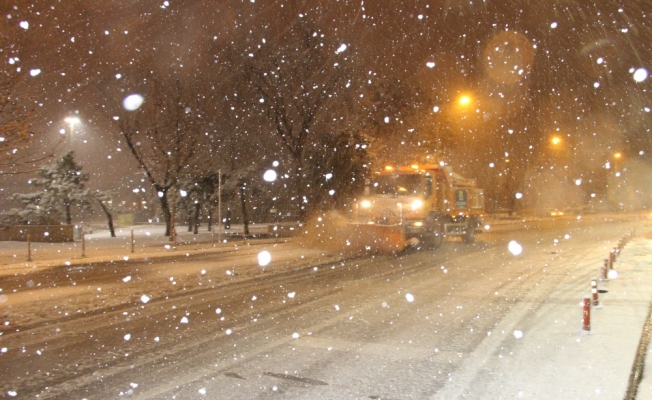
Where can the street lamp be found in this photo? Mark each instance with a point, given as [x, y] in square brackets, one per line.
[556, 140]
[559, 151]
[448, 112]
[464, 101]
[72, 121]
[617, 156]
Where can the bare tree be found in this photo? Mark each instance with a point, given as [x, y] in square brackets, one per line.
[104, 200]
[18, 153]
[164, 134]
[298, 79]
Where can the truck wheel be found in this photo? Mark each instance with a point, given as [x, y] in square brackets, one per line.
[437, 237]
[469, 236]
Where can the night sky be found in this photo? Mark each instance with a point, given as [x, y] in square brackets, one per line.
[535, 67]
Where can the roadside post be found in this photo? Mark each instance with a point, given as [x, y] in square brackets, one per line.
[595, 303]
[586, 314]
[29, 247]
[219, 205]
[603, 270]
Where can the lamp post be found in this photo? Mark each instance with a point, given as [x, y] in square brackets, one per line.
[72, 121]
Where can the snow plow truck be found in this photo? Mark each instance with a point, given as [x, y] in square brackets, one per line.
[418, 205]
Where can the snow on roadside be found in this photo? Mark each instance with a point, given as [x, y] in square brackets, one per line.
[42, 304]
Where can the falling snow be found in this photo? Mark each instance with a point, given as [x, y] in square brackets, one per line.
[245, 140]
[514, 248]
[264, 258]
[640, 75]
[132, 102]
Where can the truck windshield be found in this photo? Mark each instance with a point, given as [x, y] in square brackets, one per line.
[398, 185]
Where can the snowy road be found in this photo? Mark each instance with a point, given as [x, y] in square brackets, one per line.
[308, 325]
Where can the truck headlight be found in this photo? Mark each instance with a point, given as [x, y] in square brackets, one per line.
[416, 204]
[365, 203]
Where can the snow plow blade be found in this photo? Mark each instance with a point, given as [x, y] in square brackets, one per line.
[333, 232]
[381, 238]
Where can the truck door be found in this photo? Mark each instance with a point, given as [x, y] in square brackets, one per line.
[428, 186]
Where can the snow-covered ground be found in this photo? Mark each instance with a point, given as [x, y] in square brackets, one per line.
[536, 349]
[148, 241]
[543, 363]
[109, 289]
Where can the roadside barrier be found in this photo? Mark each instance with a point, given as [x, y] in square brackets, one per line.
[595, 303]
[606, 272]
[586, 314]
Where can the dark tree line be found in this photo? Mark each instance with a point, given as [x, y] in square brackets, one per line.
[331, 90]
[289, 100]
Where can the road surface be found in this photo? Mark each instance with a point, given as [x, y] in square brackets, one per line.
[311, 324]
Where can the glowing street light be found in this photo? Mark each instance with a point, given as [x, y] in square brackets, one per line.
[617, 156]
[454, 108]
[559, 151]
[72, 121]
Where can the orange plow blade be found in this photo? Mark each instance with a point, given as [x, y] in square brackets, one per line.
[333, 232]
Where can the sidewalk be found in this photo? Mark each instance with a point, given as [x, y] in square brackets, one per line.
[555, 358]
[637, 270]
[599, 364]
[148, 241]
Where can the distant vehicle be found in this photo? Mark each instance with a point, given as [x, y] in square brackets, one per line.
[553, 213]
